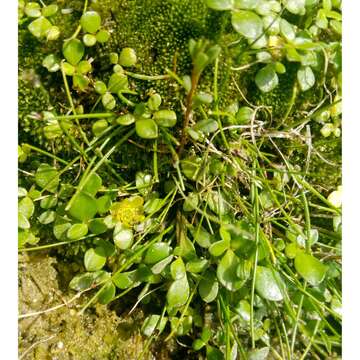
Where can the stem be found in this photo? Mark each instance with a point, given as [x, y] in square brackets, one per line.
[68, 94]
[84, 116]
[257, 230]
[194, 81]
[146, 77]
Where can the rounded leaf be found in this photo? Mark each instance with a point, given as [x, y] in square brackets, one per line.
[310, 268]
[100, 87]
[127, 57]
[247, 23]
[266, 79]
[77, 231]
[84, 207]
[156, 253]
[123, 236]
[220, 4]
[146, 128]
[99, 127]
[306, 78]
[208, 287]
[47, 217]
[165, 118]
[73, 51]
[40, 27]
[32, 9]
[177, 269]
[26, 207]
[108, 101]
[178, 293]
[107, 293]
[126, 119]
[226, 271]
[47, 177]
[90, 21]
[94, 259]
[268, 284]
[102, 36]
[89, 40]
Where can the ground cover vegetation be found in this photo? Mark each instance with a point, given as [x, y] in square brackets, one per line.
[180, 163]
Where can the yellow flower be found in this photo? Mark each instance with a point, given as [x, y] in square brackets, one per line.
[128, 211]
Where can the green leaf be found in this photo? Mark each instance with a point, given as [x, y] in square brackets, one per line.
[50, 10]
[156, 253]
[196, 266]
[32, 9]
[217, 203]
[206, 126]
[125, 280]
[191, 202]
[127, 57]
[143, 182]
[296, 7]
[226, 271]
[103, 204]
[220, 4]
[47, 177]
[219, 247]
[53, 33]
[73, 51]
[99, 127]
[123, 236]
[154, 102]
[22, 192]
[306, 78]
[268, 284]
[151, 323]
[146, 128]
[159, 267]
[244, 115]
[97, 226]
[258, 354]
[47, 217]
[166, 118]
[178, 293]
[94, 259]
[247, 23]
[102, 36]
[310, 268]
[26, 207]
[23, 222]
[77, 231]
[51, 62]
[117, 82]
[108, 101]
[100, 87]
[287, 30]
[266, 79]
[84, 207]
[80, 82]
[208, 287]
[87, 280]
[177, 269]
[107, 293]
[48, 202]
[93, 184]
[26, 237]
[244, 310]
[84, 67]
[60, 230]
[40, 27]
[201, 236]
[90, 21]
[126, 119]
